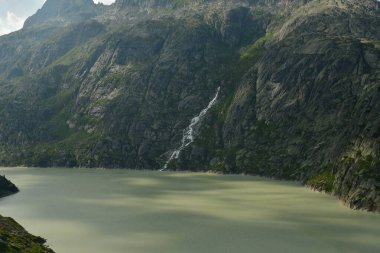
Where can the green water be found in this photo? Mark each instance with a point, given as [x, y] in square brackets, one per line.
[121, 211]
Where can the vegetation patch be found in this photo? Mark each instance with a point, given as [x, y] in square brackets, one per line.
[253, 53]
[15, 239]
[323, 181]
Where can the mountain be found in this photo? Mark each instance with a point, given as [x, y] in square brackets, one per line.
[63, 12]
[116, 86]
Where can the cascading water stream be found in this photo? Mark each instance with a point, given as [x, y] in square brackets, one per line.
[188, 132]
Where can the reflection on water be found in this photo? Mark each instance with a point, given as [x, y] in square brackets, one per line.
[120, 211]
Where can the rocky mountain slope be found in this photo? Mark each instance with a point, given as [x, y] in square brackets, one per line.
[115, 86]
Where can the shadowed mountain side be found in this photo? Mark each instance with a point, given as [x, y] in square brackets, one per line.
[7, 187]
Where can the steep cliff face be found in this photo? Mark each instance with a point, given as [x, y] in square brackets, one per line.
[312, 97]
[299, 98]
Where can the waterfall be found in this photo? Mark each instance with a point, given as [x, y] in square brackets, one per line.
[188, 132]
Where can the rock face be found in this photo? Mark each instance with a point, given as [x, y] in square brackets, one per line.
[7, 187]
[115, 86]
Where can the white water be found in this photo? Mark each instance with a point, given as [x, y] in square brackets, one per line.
[188, 132]
[121, 211]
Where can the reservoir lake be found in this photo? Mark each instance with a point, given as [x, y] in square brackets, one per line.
[126, 211]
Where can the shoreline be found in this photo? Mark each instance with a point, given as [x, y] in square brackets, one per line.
[13, 237]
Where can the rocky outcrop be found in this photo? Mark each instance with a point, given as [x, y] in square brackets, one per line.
[299, 94]
[13, 237]
[7, 187]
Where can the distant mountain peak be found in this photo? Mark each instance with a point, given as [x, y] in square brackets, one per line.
[62, 12]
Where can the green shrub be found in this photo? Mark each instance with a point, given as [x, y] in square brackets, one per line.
[323, 181]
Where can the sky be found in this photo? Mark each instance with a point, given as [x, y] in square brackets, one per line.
[14, 12]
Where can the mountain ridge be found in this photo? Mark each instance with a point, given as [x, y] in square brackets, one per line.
[62, 12]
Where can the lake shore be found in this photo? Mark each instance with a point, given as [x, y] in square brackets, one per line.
[13, 237]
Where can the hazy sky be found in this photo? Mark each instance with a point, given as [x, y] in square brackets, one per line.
[14, 12]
